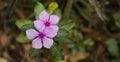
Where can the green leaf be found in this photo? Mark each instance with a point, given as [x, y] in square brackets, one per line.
[52, 6]
[82, 49]
[22, 38]
[77, 35]
[24, 24]
[84, 12]
[70, 45]
[116, 17]
[89, 42]
[66, 40]
[113, 47]
[66, 24]
[62, 33]
[73, 51]
[13, 18]
[56, 52]
[27, 26]
[58, 12]
[78, 43]
[34, 52]
[38, 9]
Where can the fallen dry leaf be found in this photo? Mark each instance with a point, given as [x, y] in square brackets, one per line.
[3, 5]
[78, 56]
[102, 37]
[100, 50]
[5, 39]
[20, 13]
[3, 59]
[26, 52]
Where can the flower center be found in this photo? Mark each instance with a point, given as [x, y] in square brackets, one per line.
[47, 23]
[41, 35]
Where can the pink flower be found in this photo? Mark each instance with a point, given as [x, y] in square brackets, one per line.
[41, 38]
[47, 21]
[46, 31]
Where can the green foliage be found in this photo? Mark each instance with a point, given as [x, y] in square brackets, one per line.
[113, 47]
[116, 60]
[22, 38]
[67, 41]
[82, 49]
[58, 12]
[62, 33]
[116, 17]
[73, 51]
[88, 41]
[27, 26]
[86, 14]
[56, 52]
[24, 24]
[34, 52]
[66, 24]
[13, 18]
[52, 6]
[38, 9]
[76, 34]
[78, 44]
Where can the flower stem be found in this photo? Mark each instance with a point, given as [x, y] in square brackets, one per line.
[100, 13]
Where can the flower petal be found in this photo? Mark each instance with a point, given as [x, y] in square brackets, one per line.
[51, 31]
[44, 16]
[36, 43]
[39, 25]
[47, 42]
[51, 35]
[31, 34]
[54, 19]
